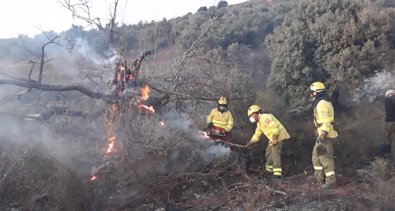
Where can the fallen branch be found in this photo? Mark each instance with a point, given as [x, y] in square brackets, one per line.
[49, 87]
[275, 191]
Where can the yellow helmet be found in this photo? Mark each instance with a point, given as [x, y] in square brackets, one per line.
[317, 87]
[252, 109]
[222, 101]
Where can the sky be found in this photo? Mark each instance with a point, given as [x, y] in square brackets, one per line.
[31, 17]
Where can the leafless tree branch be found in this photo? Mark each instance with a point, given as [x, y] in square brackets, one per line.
[82, 7]
[81, 10]
[42, 62]
[49, 87]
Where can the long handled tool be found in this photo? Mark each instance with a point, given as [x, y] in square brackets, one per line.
[206, 136]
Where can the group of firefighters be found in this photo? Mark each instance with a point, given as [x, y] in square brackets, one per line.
[220, 123]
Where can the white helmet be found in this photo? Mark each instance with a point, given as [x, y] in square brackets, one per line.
[388, 92]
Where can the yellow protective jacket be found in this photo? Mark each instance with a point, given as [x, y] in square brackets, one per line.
[223, 120]
[324, 116]
[270, 126]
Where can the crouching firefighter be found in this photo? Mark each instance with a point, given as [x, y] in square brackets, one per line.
[220, 121]
[322, 156]
[269, 125]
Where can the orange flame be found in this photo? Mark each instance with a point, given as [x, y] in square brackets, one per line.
[110, 144]
[145, 91]
[93, 178]
[148, 108]
[114, 107]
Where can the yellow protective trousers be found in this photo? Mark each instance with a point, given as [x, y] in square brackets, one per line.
[324, 165]
[273, 159]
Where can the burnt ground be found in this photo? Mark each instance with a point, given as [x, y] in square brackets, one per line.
[41, 183]
[172, 177]
[236, 190]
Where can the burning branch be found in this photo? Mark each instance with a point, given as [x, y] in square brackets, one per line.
[147, 108]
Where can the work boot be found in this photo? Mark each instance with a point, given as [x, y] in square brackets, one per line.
[327, 186]
[314, 181]
[273, 177]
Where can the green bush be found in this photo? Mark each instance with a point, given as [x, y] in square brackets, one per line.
[330, 41]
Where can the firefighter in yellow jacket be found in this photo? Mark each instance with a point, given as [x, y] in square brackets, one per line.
[220, 121]
[322, 156]
[269, 125]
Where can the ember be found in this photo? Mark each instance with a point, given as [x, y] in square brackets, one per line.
[111, 142]
[145, 91]
[114, 107]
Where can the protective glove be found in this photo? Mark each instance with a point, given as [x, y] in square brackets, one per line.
[321, 137]
[210, 125]
[249, 144]
[273, 142]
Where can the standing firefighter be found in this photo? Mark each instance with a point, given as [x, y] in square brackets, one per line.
[389, 103]
[220, 121]
[322, 158]
[269, 125]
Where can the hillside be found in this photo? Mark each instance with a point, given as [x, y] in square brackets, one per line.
[74, 137]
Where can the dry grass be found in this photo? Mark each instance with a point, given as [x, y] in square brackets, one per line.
[383, 181]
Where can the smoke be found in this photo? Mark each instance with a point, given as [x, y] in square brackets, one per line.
[80, 64]
[375, 87]
[215, 152]
[205, 148]
[181, 121]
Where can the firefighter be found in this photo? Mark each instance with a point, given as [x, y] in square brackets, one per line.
[389, 103]
[220, 121]
[269, 125]
[322, 156]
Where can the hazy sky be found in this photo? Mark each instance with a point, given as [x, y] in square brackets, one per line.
[30, 17]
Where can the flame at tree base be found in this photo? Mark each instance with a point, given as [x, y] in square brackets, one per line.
[93, 178]
[111, 143]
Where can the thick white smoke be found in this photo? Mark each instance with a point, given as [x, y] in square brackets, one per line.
[207, 150]
[375, 87]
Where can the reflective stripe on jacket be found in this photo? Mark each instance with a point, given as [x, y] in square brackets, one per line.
[324, 117]
[223, 120]
[270, 126]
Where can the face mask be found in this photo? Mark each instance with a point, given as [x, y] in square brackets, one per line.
[252, 119]
[221, 108]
